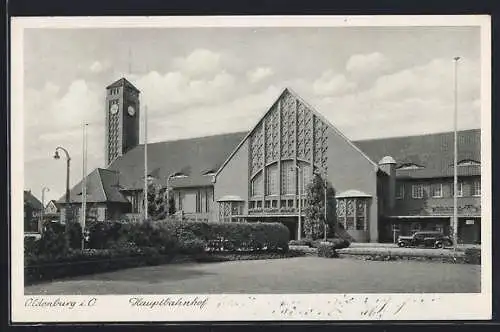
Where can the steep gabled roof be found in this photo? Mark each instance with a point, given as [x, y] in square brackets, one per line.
[32, 201]
[309, 108]
[122, 82]
[433, 152]
[194, 158]
[102, 186]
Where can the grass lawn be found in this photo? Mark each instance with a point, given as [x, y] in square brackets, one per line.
[292, 275]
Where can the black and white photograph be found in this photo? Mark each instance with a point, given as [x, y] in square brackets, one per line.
[253, 168]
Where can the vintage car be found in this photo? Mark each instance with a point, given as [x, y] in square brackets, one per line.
[425, 239]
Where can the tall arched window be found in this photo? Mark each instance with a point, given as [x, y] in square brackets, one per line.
[272, 179]
[257, 185]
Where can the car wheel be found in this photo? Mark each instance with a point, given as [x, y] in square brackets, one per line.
[439, 245]
[401, 245]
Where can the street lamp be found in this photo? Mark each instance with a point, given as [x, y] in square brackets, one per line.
[455, 152]
[40, 225]
[299, 175]
[68, 160]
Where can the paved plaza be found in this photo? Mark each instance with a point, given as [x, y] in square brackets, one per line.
[293, 275]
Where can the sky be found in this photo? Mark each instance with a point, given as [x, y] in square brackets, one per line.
[369, 82]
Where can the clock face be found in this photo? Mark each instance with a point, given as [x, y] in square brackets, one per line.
[131, 110]
[114, 108]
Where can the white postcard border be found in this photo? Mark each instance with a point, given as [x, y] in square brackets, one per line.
[244, 307]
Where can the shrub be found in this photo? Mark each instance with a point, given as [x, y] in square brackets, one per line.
[339, 243]
[327, 250]
[105, 234]
[31, 246]
[473, 256]
[116, 235]
[302, 242]
[53, 241]
[192, 247]
[75, 235]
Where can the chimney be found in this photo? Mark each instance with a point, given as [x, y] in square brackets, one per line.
[388, 166]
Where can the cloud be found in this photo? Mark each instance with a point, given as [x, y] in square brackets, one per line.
[331, 83]
[432, 80]
[259, 74]
[362, 65]
[97, 67]
[411, 101]
[200, 62]
[173, 91]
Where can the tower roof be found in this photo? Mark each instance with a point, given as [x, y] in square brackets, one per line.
[122, 82]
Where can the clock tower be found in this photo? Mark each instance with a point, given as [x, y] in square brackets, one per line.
[122, 119]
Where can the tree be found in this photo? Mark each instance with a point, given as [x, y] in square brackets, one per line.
[314, 223]
[157, 202]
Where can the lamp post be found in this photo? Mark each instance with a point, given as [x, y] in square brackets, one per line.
[84, 185]
[455, 152]
[40, 225]
[68, 160]
[299, 175]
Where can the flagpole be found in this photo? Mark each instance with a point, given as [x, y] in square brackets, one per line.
[84, 185]
[145, 163]
[455, 152]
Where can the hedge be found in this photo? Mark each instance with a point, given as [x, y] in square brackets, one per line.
[77, 263]
[191, 236]
[237, 236]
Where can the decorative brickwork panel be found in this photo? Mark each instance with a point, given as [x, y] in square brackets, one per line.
[341, 208]
[288, 122]
[350, 207]
[272, 135]
[257, 149]
[113, 139]
[305, 132]
[320, 143]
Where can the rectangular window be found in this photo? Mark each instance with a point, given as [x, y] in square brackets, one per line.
[306, 178]
[417, 191]
[207, 201]
[101, 214]
[400, 190]
[460, 191]
[476, 188]
[252, 204]
[267, 204]
[272, 180]
[198, 202]
[436, 190]
[287, 178]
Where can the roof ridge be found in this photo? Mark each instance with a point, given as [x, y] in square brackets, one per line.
[417, 135]
[195, 137]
